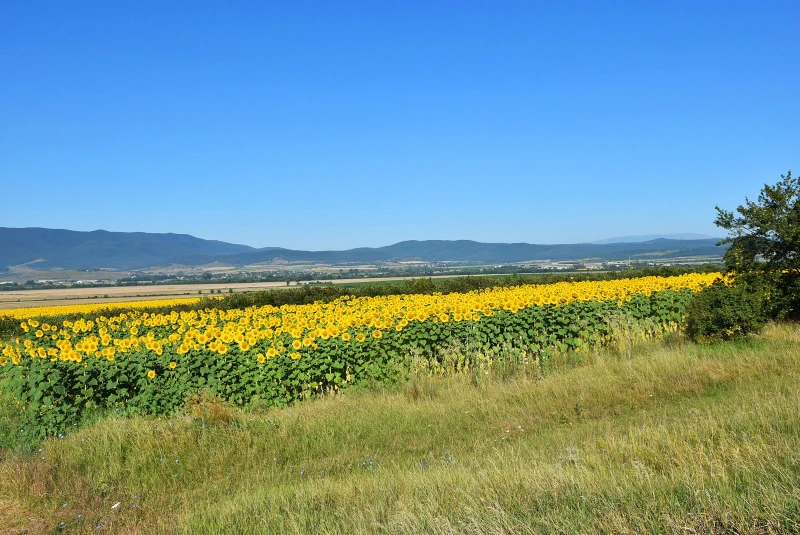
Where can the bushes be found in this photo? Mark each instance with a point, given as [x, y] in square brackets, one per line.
[764, 238]
[722, 312]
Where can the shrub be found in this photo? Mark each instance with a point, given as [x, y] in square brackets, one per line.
[764, 242]
[722, 312]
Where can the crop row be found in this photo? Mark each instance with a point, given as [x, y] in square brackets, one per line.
[145, 363]
[69, 310]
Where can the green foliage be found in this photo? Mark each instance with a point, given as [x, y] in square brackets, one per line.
[722, 312]
[56, 394]
[764, 243]
[9, 327]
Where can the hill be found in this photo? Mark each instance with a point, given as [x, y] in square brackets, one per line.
[69, 249]
[46, 249]
[472, 251]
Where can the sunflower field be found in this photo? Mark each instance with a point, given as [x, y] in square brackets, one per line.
[138, 362]
[69, 310]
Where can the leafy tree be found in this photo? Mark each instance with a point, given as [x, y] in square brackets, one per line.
[764, 238]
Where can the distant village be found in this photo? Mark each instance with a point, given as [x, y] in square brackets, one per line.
[315, 272]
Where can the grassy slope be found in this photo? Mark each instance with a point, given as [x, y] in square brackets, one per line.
[671, 440]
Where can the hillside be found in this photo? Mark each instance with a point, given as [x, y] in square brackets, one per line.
[55, 248]
[69, 249]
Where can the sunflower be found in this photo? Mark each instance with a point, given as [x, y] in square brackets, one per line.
[377, 334]
[361, 337]
[261, 358]
[173, 364]
[151, 374]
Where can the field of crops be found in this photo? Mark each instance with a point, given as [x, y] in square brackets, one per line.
[139, 362]
[68, 310]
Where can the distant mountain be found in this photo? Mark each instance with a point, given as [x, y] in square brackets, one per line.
[650, 237]
[471, 251]
[69, 249]
[464, 250]
[48, 248]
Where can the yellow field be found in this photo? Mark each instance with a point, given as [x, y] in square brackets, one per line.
[43, 312]
[264, 327]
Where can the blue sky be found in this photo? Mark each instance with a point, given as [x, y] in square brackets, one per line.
[329, 125]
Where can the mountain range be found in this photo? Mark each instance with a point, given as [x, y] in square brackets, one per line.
[45, 249]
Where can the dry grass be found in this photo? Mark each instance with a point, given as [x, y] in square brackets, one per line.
[671, 440]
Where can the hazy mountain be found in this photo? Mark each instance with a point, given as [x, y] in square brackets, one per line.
[50, 248]
[471, 251]
[650, 237]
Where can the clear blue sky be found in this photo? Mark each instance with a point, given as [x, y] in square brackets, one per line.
[329, 125]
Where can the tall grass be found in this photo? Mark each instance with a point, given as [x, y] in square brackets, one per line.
[661, 439]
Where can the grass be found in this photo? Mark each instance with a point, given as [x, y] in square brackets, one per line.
[671, 439]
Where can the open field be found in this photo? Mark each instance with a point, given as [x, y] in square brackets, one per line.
[572, 407]
[116, 294]
[74, 296]
[667, 439]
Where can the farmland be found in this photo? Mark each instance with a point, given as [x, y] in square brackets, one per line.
[545, 408]
[140, 362]
[662, 439]
[13, 299]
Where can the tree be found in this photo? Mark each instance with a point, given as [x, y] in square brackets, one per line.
[764, 238]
